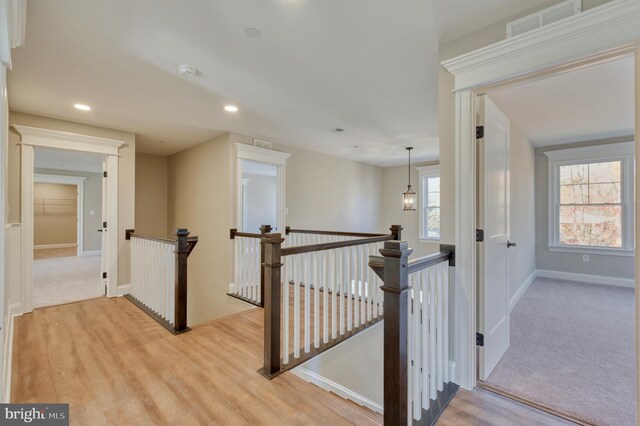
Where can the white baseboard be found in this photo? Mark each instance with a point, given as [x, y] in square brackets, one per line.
[331, 386]
[522, 290]
[586, 278]
[54, 246]
[13, 311]
[124, 289]
[92, 252]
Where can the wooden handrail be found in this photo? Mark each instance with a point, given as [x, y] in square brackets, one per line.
[446, 253]
[233, 233]
[152, 238]
[334, 233]
[290, 251]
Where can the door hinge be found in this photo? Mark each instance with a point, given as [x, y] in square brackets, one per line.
[104, 275]
[479, 132]
[479, 235]
[479, 339]
[104, 174]
[104, 225]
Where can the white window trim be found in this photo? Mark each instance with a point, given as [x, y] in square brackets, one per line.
[425, 171]
[593, 154]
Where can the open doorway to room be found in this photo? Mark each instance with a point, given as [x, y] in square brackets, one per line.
[556, 283]
[67, 226]
[259, 196]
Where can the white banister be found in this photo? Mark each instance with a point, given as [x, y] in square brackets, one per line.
[428, 328]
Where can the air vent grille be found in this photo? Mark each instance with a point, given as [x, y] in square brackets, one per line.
[544, 17]
[261, 144]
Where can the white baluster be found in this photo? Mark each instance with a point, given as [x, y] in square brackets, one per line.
[417, 346]
[342, 275]
[432, 335]
[307, 302]
[297, 279]
[424, 332]
[349, 263]
[445, 307]
[285, 314]
[316, 299]
[326, 274]
[439, 328]
[334, 281]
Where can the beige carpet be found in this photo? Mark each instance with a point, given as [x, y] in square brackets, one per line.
[66, 279]
[573, 350]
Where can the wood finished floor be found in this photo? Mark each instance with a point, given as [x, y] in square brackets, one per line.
[115, 365]
[55, 252]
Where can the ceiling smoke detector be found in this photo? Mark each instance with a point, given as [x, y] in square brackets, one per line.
[187, 70]
[253, 32]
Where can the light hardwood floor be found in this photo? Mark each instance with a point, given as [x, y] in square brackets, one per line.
[115, 365]
[55, 252]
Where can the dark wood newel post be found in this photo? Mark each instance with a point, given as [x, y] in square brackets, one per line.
[272, 268]
[396, 285]
[264, 230]
[396, 231]
[184, 246]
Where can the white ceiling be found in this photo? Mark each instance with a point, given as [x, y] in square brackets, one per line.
[68, 160]
[588, 104]
[369, 67]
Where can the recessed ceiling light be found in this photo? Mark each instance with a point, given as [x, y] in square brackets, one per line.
[356, 146]
[253, 32]
[231, 108]
[338, 130]
[82, 107]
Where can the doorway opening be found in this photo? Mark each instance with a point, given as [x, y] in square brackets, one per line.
[556, 267]
[68, 202]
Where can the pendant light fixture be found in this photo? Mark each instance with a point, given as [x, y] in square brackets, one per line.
[409, 197]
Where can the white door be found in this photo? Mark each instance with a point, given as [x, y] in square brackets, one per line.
[103, 229]
[493, 218]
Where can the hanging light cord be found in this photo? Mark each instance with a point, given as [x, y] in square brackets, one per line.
[409, 167]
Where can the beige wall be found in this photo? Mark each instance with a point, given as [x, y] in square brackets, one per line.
[200, 200]
[126, 178]
[323, 192]
[55, 214]
[151, 195]
[92, 201]
[446, 107]
[395, 183]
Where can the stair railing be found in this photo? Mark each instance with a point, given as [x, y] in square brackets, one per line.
[317, 295]
[159, 277]
[417, 382]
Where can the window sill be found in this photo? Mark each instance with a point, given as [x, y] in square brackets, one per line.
[593, 250]
[430, 240]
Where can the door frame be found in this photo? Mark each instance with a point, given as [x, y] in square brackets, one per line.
[78, 181]
[602, 33]
[31, 138]
[266, 156]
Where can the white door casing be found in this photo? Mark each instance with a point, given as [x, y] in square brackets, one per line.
[605, 30]
[103, 240]
[493, 218]
[33, 137]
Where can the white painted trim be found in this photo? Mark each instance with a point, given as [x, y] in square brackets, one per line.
[33, 137]
[266, 156]
[622, 152]
[587, 278]
[609, 29]
[261, 155]
[331, 386]
[597, 30]
[13, 311]
[522, 290]
[78, 181]
[593, 250]
[54, 246]
[92, 253]
[46, 138]
[124, 289]
[595, 152]
[465, 289]
[13, 18]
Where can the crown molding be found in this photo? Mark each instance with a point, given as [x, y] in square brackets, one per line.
[46, 138]
[600, 29]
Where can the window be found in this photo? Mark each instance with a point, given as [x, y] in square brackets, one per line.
[591, 199]
[429, 202]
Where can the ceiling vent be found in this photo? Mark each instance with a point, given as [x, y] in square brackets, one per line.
[261, 143]
[544, 17]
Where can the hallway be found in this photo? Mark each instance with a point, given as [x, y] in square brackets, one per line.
[116, 365]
